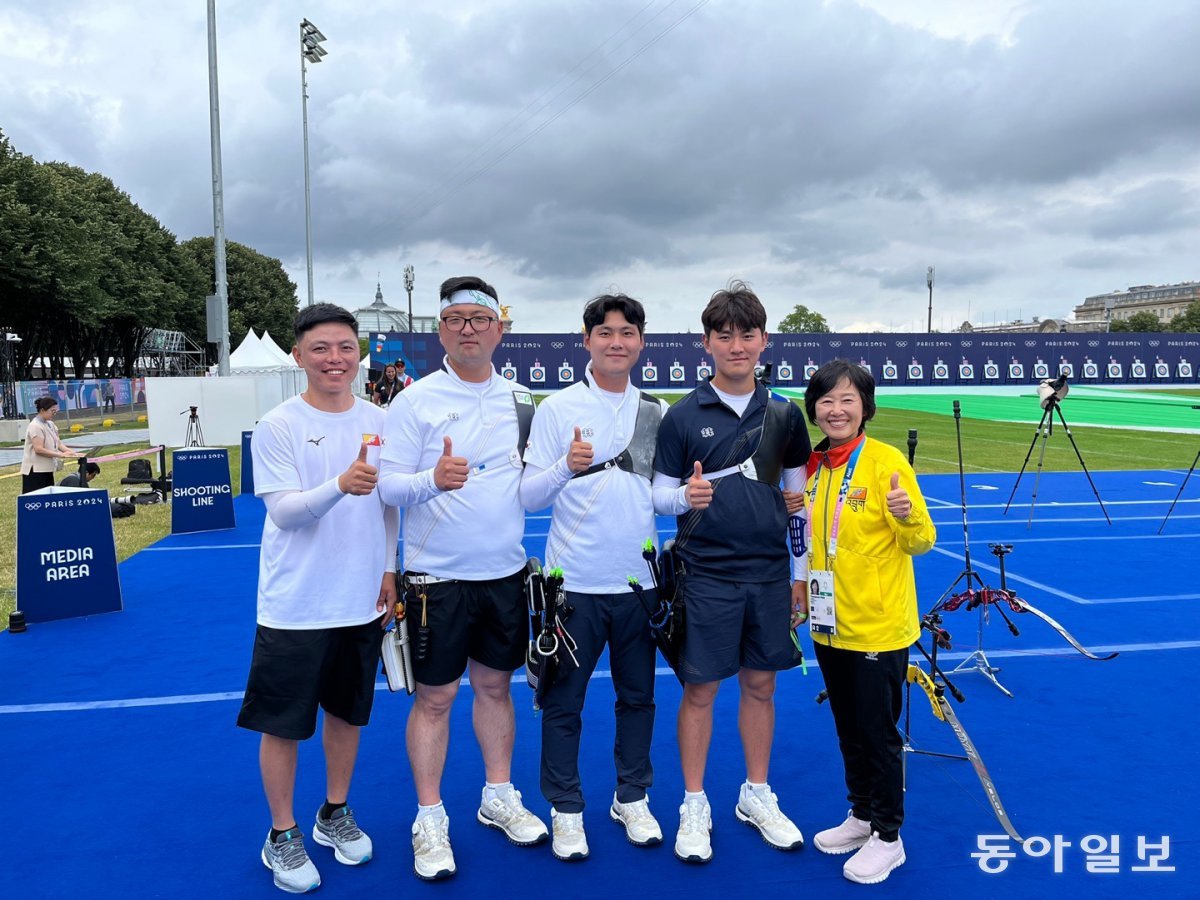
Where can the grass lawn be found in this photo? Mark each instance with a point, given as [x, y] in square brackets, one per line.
[987, 447]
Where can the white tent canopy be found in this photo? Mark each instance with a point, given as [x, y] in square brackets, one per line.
[275, 350]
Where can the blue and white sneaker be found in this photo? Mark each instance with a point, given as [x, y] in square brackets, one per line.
[341, 832]
[288, 861]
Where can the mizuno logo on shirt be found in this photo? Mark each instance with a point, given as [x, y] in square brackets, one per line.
[316, 442]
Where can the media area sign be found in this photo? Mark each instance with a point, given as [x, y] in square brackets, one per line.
[201, 493]
[66, 554]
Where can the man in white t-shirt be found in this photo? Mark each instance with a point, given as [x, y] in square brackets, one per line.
[452, 459]
[319, 625]
[591, 454]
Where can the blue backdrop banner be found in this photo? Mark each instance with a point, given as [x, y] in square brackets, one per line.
[66, 554]
[201, 493]
[669, 361]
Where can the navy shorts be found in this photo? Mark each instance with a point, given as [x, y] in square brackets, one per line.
[487, 621]
[293, 672]
[731, 625]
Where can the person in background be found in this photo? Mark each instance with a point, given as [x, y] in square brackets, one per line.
[44, 451]
[867, 520]
[387, 387]
[73, 480]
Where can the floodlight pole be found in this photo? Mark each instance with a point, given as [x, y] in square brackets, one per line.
[214, 122]
[310, 51]
[929, 281]
[408, 286]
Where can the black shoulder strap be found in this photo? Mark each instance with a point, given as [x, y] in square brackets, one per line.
[638, 455]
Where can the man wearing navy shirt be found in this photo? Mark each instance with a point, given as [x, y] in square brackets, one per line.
[721, 453]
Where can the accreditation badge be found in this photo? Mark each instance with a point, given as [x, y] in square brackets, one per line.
[822, 612]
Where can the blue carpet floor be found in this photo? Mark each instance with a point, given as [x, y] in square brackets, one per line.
[126, 775]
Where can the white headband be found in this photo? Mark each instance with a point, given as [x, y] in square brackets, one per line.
[472, 298]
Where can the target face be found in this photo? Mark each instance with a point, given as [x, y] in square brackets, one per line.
[1138, 370]
[889, 372]
[966, 371]
[1090, 370]
[991, 370]
[649, 373]
[1185, 370]
[941, 372]
[566, 373]
[508, 373]
[537, 374]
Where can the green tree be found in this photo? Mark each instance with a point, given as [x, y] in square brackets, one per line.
[1188, 320]
[1142, 322]
[802, 320]
[261, 296]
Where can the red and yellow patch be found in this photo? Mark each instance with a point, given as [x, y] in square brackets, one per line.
[857, 498]
[372, 440]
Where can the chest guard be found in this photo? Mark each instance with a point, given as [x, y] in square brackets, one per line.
[765, 464]
[638, 456]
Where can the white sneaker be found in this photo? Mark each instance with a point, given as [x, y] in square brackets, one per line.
[641, 828]
[693, 841]
[875, 860]
[351, 847]
[288, 861]
[432, 856]
[761, 810]
[506, 812]
[850, 835]
[569, 843]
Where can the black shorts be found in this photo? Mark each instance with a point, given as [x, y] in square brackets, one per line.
[730, 625]
[487, 621]
[293, 672]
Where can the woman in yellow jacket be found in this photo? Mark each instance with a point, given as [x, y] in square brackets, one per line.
[866, 520]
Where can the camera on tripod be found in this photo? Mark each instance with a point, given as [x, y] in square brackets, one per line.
[194, 436]
[1051, 392]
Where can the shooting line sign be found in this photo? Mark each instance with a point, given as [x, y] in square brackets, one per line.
[66, 554]
[201, 494]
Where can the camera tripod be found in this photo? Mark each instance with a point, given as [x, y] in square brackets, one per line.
[194, 436]
[1182, 485]
[1045, 428]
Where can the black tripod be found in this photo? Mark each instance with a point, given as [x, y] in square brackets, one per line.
[977, 661]
[1045, 428]
[1181, 487]
[194, 436]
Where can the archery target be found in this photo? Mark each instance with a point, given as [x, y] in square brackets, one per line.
[1114, 370]
[1184, 370]
[889, 371]
[1162, 370]
[1016, 371]
[966, 371]
[508, 373]
[703, 373]
[1041, 371]
[1066, 369]
[1091, 370]
[649, 373]
[537, 374]
[1137, 370]
[566, 374]
[916, 372]
[810, 370]
[784, 372]
[941, 371]
[677, 373]
[991, 371]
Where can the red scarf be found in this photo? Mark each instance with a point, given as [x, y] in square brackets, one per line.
[833, 457]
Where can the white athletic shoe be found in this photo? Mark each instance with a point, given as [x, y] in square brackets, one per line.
[432, 857]
[569, 843]
[507, 813]
[850, 835]
[761, 810]
[693, 841]
[641, 828]
[875, 860]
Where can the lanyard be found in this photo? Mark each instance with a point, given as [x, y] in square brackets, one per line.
[831, 547]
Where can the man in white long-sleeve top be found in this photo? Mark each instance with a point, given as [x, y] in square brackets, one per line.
[452, 459]
[591, 454]
[319, 626]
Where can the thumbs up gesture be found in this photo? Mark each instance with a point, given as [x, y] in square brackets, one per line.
[450, 473]
[360, 478]
[579, 456]
[898, 502]
[698, 491]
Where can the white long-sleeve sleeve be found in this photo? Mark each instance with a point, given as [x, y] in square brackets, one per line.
[540, 486]
[793, 480]
[391, 535]
[399, 488]
[670, 497]
[292, 510]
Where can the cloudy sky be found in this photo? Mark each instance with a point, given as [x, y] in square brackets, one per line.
[827, 152]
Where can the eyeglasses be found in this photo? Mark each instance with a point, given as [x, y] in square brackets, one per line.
[478, 323]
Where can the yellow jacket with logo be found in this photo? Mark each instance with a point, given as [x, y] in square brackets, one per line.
[874, 589]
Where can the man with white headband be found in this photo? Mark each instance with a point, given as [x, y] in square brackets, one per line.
[453, 457]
